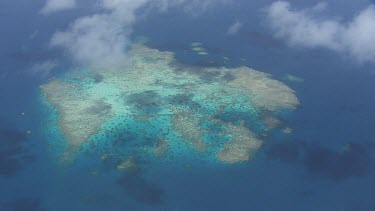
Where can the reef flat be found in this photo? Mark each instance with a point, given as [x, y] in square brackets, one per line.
[160, 106]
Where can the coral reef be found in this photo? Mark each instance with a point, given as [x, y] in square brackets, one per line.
[240, 148]
[153, 98]
[293, 78]
[161, 148]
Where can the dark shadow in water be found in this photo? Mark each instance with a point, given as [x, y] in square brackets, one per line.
[352, 160]
[148, 101]
[23, 204]
[228, 77]
[250, 121]
[104, 200]
[289, 151]
[260, 39]
[99, 107]
[180, 99]
[184, 99]
[15, 152]
[139, 189]
[198, 70]
[209, 63]
[98, 78]
[143, 98]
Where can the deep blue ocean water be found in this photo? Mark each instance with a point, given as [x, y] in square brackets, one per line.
[306, 170]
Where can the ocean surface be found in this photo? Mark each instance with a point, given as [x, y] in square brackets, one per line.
[325, 164]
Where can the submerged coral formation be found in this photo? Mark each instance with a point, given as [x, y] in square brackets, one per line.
[81, 115]
[240, 148]
[198, 48]
[159, 104]
[293, 78]
[161, 148]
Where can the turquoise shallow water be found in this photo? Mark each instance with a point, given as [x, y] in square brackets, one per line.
[156, 105]
[97, 180]
[128, 135]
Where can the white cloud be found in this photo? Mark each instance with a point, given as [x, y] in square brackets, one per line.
[321, 6]
[57, 5]
[198, 7]
[43, 69]
[304, 28]
[34, 35]
[234, 28]
[190, 7]
[101, 40]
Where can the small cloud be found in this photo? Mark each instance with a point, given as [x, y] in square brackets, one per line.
[52, 6]
[34, 35]
[43, 69]
[101, 40]
[321, 6]
[234, 28]
[304, 28]
[199, 7]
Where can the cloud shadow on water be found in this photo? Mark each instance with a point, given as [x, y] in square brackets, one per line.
[352, 160]
[140, 189]
[260, 39]
[15, 152]
[23, 204]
